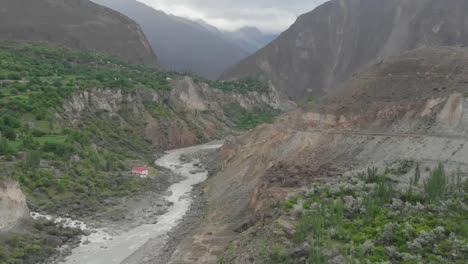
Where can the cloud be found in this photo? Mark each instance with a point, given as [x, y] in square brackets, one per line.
[272, 16]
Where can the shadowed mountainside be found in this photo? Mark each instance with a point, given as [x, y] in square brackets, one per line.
[325, 47]
[78, 24]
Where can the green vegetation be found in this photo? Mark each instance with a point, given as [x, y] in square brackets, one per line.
[248, 119]
[242, 86]
[56, 165]
[35, 245]
[366, 220]
[65, 168]
[39, 78]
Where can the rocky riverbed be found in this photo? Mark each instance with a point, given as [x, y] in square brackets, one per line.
[149, 218]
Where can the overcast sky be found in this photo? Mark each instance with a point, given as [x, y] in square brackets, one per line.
[270, 16]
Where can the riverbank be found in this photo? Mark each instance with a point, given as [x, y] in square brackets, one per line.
[155, 252]
[122, 245]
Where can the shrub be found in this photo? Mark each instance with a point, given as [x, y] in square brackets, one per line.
[6, 148]
[38, 133]
[14, 76]
[33, 160]
[9, 133]
[59, 149]
[28, 142]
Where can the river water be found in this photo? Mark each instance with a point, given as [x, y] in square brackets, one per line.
[108, 248]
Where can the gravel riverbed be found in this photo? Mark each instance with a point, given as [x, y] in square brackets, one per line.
[143, 242]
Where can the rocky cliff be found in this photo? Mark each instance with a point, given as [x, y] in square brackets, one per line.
[264, 167]
[192, 112]
[78, 24]
[325, 47]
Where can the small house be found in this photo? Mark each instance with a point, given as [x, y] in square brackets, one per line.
[140, 172]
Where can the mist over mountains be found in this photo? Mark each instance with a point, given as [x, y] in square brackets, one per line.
[190, 46]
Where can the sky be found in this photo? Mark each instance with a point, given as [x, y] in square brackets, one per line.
[270, 16]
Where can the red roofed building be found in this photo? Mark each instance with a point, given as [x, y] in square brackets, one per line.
[140, 171]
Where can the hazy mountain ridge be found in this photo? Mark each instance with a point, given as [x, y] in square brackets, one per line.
[186, 45]
[326, 46]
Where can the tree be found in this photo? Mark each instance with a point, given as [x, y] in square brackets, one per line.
[9, 133]
[5, 148]
[33, 160]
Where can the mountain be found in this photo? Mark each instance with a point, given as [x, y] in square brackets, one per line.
[326, 46]
[187, 45]
[318, 175]
[78, 24]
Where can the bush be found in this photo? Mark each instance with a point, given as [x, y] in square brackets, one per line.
[6, 148]
[9, 133]
[28, 142]
[33, 160]
[59, 149]
[38, 133]
[14, 76]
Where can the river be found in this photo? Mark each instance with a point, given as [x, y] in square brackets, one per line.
[105, 248]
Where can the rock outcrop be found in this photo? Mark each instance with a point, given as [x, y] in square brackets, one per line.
[325, 47]
[191, 113]
[78, 24]
[12, 205]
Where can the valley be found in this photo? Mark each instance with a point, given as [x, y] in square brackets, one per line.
[115, 248]
[344, 140]
[75, 123]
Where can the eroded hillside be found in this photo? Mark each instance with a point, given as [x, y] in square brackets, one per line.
[404, 124]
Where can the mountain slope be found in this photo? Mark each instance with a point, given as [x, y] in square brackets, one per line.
[78, 24]
[327, 46]
[394, 122]
[182, 44]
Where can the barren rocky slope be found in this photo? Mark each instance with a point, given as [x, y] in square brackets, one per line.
[78, 24]
[12, 205]
[327, 46]
[273, 162]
